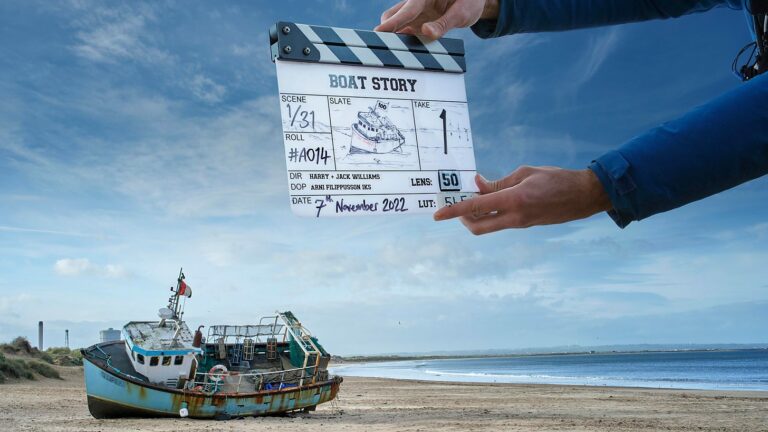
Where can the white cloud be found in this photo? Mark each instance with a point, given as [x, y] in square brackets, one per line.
[438, 268]
[110, 34]
[759, 230]
[341, 5]
[9, 304]
[114, 271]
[245, 50]
[114, 34]
[84, 266]
[42, 231]
[206, 89]
[598, 51]
[73, 266]
[227, 165]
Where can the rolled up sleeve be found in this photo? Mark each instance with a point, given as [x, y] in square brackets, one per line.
[530, 16]
[712, 148]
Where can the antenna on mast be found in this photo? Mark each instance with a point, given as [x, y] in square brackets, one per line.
[175, 308]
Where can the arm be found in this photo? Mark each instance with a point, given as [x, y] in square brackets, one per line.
[493, 18]
[529, 16]
[713, 148]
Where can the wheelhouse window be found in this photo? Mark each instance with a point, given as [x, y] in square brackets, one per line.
[153, 361]
[133, 355]
[140, 358]
[178, 360]
[166, 360]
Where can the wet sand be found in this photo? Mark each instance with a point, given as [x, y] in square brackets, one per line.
[367, 404]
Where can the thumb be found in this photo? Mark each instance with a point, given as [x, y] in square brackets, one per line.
[454, 17]
[509, 181]
[435, 29]
[483, 185]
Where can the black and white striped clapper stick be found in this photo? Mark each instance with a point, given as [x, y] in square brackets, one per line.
[318, 44]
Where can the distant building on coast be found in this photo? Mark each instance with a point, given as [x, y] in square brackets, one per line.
[109, 335]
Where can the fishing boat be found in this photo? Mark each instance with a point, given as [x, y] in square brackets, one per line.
[161, 369]
[374, 132]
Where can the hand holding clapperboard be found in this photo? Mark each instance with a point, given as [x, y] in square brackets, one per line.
[373, 123]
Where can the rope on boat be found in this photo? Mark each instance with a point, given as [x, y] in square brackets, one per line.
[108, 362]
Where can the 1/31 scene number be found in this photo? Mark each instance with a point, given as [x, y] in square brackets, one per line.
[299, 117]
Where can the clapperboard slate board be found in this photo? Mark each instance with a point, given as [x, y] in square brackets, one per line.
[373, 123]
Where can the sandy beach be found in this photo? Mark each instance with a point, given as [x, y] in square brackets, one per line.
[390, 405]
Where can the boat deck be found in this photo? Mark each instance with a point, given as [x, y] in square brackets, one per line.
[113, 354]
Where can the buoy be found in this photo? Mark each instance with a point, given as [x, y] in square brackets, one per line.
[218, 373]
[184, 413]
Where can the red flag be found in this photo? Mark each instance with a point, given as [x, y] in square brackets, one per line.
[184, 289]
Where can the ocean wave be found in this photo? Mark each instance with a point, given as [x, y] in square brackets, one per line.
[638, 372]
[509, 376]
[580, 378]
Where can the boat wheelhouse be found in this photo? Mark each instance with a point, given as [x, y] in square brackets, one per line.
[161, 351]
[374, 132]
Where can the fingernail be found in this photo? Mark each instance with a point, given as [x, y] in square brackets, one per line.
[483, 179]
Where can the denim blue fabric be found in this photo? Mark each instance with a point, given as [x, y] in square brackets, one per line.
[712, 148]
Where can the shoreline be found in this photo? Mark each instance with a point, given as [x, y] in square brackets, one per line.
[704, 392]
[389, 405]
[751, 392]
[676, 370]
[394, 358]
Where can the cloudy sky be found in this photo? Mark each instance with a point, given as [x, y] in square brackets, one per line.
[138, 138]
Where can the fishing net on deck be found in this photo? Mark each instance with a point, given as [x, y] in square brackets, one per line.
[297, 354]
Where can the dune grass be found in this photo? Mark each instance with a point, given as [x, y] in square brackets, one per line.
[65, 357]
[14, 369]
[43, 369]
[20, 360]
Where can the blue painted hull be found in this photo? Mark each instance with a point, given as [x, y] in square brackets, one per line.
[111, 394]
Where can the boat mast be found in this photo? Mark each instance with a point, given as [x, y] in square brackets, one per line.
[173, 302]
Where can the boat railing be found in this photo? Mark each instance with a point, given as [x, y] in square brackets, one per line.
[237, 333]
[235, 382]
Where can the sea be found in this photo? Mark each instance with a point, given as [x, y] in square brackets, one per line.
[705, 370]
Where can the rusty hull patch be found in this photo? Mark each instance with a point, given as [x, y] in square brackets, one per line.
[201, 405]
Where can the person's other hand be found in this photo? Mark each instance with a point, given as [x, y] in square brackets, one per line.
[433, 18]
[530, 196]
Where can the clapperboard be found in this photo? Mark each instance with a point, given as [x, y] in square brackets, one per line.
[373, 123]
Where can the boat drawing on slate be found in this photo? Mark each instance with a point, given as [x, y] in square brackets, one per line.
[162, 369]
[374, 132]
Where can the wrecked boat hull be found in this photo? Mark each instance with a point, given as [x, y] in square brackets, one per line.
[113, 395]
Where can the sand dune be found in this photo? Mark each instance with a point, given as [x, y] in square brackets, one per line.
[367, 404]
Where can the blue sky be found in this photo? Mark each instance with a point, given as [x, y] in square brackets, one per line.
[137, 138]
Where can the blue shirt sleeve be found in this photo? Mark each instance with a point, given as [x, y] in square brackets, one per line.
[528, 16]
[714, 147]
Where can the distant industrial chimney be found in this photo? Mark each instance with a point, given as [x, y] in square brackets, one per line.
[66, 338]
[40, 335]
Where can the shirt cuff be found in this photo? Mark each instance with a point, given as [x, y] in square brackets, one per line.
[492, 28]
[613, 171]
